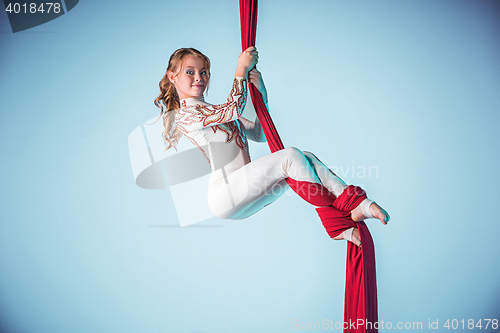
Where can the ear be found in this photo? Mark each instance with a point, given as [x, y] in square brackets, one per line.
[171, 76]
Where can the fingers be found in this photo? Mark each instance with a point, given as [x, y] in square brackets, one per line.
[254, 76]
[254, 73]
[252, 50]
[248, 59]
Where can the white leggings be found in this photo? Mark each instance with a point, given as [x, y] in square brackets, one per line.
[259, 183]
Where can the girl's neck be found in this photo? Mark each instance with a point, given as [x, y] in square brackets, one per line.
[194, 99]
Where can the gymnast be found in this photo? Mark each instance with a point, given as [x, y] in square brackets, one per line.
[239, 187]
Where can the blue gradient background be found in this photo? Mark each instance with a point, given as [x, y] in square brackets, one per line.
[411, 88]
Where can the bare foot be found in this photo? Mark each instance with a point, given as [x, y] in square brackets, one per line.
[357, 214]
[376, 211]
[355, 237]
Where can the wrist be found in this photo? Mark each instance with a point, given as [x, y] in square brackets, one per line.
[241, 71]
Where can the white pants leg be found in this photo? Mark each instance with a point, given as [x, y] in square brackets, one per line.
[328, 178]
[260, 182]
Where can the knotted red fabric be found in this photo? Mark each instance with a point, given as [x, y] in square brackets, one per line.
[360, 307]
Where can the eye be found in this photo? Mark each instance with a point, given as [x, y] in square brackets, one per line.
[203, 72]
[189, 72]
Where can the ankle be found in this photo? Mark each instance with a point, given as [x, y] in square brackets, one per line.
[365, 208]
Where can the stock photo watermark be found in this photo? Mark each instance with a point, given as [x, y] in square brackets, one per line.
[453, 324]
[24, 15]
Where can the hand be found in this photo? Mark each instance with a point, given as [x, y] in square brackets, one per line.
[246, 61]
[256, 79]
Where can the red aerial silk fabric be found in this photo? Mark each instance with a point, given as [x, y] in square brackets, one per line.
[360, 308]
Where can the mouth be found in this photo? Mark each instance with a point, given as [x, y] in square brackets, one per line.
[198, 86]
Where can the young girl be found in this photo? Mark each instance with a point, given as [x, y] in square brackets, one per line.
[239, 187]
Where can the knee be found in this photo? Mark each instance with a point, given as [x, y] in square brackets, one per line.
[310, 156]
[307, 154]
[294, 153]
[293, 158]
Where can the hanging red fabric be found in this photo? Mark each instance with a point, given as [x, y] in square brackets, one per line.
[360, 306]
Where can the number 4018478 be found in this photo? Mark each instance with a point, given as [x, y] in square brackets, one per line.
[471, 324]
[32, 8]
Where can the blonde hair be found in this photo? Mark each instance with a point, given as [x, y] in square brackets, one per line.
[168, 101]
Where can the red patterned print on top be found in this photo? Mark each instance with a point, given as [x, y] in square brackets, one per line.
[218, 117]
[233, 131]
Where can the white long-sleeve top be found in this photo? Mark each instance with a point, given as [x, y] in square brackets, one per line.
[220, 131]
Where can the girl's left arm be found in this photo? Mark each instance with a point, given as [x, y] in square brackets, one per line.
[253, 129]
[255, 78]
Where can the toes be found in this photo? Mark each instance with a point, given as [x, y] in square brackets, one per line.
[386, 216]
[381, 214]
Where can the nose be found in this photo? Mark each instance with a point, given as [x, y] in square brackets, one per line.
[198, 78]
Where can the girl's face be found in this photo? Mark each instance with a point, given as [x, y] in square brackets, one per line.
[192, 79]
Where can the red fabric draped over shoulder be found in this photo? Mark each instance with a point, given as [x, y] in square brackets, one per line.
[360, 308]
